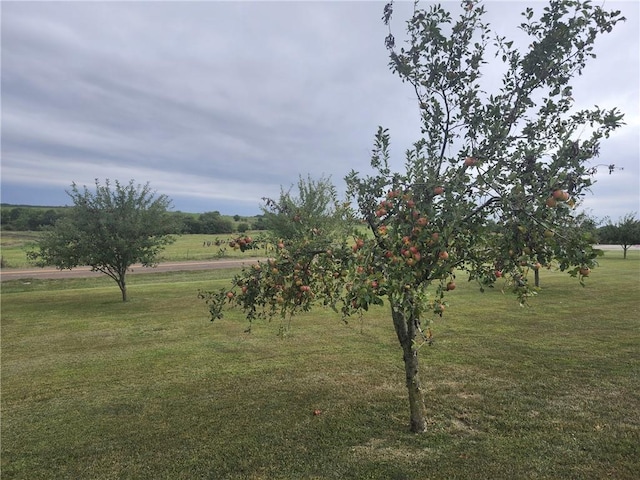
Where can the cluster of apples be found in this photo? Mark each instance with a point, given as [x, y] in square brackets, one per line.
[300, 278]
[242, 243]
[358, 245]
[557, 196]
[412, 245]
[281, 275]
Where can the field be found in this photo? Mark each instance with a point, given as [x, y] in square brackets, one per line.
[14, 248]
[186, 247]
[96, 389]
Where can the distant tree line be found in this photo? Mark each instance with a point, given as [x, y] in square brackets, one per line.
[35, 219]
[29, 218]
[625, 232]
[214, 222]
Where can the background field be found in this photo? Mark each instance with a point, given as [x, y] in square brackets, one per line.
[186, 247]
[14, 247]
[94, 388]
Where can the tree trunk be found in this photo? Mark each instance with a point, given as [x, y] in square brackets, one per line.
[123, 287]
[624, 251]
[417, 409]
[406, 326]
[537, 277]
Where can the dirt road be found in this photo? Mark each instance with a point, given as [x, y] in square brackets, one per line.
[80, 272]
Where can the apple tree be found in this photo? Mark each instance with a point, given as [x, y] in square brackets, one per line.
[109, 229]
[513, 152]
[310, 234]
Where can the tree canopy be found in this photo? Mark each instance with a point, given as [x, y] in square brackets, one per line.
[517, 156]
[108, 229]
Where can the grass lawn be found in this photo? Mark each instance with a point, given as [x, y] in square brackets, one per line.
[96, 389]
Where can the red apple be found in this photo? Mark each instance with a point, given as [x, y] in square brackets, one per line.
[451, 286]
[585, 271]
[438, 190]
[469, 162]
[444, 255]
[560, 195]
[551, 202]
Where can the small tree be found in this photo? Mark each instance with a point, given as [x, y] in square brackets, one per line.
[514, 157]
[625, 232]
[109, 230]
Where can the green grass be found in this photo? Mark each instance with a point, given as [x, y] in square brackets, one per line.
[186, 247]
[194, 247]
[14, 246]
[97, 389]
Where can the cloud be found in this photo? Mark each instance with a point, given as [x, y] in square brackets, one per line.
[218, 104]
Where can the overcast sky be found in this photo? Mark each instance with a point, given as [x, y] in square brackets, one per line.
[218, 104]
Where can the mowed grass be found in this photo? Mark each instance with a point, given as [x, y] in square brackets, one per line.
[96, 389]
